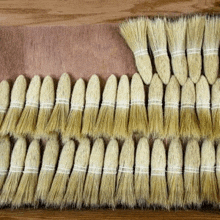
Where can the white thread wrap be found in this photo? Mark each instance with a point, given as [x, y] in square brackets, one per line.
[47, 105]
[123, 169]
[210, 51]
[95, 170]
[155, 102]
[171, 105]
[189, 169]
[63, 170]
[160, 52]
[79, 168]
[30, 170]
[48, 167]
[15, 104]
[210, 169]
[32, 104]
[62, 101]
[137, 102]
[108, 103]
[122, 105]
[16, 169]
[77, 107]
[141, 169]
[174, 169]
[217, 168]
[109, 170]
[178, 53]
[194, 51]
[158, 171]
[215, 106]
[140, 52]
[3, 171]
[203, 105]
[187, 105]
[92, 104]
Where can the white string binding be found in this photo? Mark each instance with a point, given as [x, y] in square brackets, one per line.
[171, 105]
[2, 109]
[203, 105]
[63, 170]
[174, 169]
[79, 168]
[108, 103]
[140, 52]
[109, 170]
[141, 169]
[123, 169]
[92, 104]
[217, 168]
[210, 169]
[137, 102]
[187, 105]
[77, 107]
[16, 104]
[62, 101]
[32, 104]
[47, 105]
[158, 172]
[194, 51]
[159, 52]
[210, 51]
[95, 170]
[48, 167]
[178, 53]
[122, 105]
[155, 102]
[16, 169]
[3, 172]
[189, 169]
[30, 170]
[215, 106]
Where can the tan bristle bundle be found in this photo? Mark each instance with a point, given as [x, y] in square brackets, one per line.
[74, 193]
[176, 35]
[28, 120]
[26, 189]
[5, 153]
[203, 107]
[218, 168]
[92, 106]
[158, 184]
[189, 125]
[194, 33]
[138, 123]
[49, 161]
[122, 109]
[208, 181]
[47, 96]
[191, 175]
[125, 192]
[210, 48]
[108, 183]
[141, 177]
[61, 108]
[74, 121]
[16, 106]
[15, 172]
[4, 99]
[135, 34]
[155, 110]
[175, 174]
[171, 115]
[93, 177]
[58, 187]
[158, 45]
[105, 121]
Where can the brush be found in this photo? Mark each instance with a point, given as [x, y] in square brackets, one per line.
[208, 181]
[50, 157]
[105, 120]
[74, 192]
[155, 110]
[61, 108]
[125, 191]
[16, 106]
[15, 172]
[58, 187]
[47, 96]
[194, 34]
[93, 177]
[108, 182]
[5, 153]
[28, 120]
[216, 110]
[4, 99]
[141, 178]
[175, 174]
[138, 123]
[120, 130]
[92, 106]
[74, 121]
[158, 45]
[210, 48]
[203, 107]
[176, 35]
[158, 184]
[189, 125]
[191, 175]
[135, 34]
[218, 169]
[26, 189]
[171, 112]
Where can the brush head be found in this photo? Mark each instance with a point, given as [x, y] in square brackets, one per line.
[4, 98]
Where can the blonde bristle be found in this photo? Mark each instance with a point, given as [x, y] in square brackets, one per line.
[58, 187]
[50, 157]
[108, 182]
[203, 107]
[158, 184]
[176, 35]
[218, 168]
[141, 178]
[138, 123]
[175, 174]
[74, 121]
[74, 192]
[135, 34]
[122, 109]
[93, 178]
[4, 99]
[61, 108]
[191, 175]
[155, 110]
[158, 44]
[47, 96]
[26, 189]
[15, 172]
[125, 192]
[27, 122]
[208, 181]
[210, 48]
[16, 106]
[5, 153]
[194, 33]
[171, 115]
[92, 106]
[105, 121]
[189, 124]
